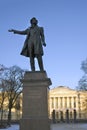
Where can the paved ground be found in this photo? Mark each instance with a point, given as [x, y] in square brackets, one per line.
[57, 127]
[69, 126]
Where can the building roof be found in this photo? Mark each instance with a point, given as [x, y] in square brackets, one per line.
[62, 90]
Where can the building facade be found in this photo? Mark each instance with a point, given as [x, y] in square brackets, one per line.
[63, 99]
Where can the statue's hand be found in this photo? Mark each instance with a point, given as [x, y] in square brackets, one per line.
[44, 44]
[11, 30]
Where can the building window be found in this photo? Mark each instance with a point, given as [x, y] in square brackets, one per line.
[61, 102]
[74, 102]
[65, 102]
[56, 102]
[70, 102]
[52, 102]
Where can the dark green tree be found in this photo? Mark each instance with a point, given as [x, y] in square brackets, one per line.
[82, 84]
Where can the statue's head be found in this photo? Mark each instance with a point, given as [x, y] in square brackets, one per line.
[34, 21]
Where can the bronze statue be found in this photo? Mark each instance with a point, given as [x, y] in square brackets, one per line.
[33, 44]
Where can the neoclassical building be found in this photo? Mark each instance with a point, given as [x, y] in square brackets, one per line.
[64, 98]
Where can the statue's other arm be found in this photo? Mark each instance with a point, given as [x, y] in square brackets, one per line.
[42, 36]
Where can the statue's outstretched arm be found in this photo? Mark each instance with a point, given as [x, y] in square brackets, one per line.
[18, 32]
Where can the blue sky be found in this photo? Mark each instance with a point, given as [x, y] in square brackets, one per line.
[65, 28]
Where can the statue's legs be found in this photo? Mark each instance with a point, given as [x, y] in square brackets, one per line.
[31, 53]
[40, 62]
[32, 63]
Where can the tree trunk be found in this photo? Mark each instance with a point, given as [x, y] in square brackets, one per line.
[2, 116]
[2, 110]
[9, 116]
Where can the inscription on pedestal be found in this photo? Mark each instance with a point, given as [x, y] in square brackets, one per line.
[35, 93]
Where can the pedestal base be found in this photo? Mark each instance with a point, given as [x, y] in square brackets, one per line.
[35, 124]
[35, 101]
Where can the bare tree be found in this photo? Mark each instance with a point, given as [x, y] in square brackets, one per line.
[13, 85]
[3, 96]
[2, 93]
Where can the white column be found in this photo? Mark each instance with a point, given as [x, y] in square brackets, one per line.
[50, 106]
[72, 100]
[77, 105]
[68, 102]
[50, 103]
[59, 103]
[54, 103]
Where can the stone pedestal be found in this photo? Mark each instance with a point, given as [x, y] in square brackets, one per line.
[35, 101]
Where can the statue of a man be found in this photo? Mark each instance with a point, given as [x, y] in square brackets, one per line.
[33, 44]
